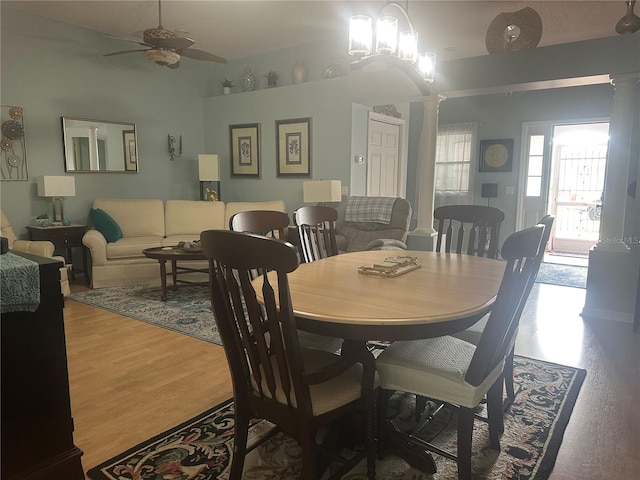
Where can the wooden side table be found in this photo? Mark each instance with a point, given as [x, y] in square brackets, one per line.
[64, 237]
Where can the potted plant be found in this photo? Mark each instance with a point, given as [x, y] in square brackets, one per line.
[272, 78]
[227, 85]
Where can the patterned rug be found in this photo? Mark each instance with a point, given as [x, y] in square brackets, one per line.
[201, 448]
[564, 275]
[187, 309]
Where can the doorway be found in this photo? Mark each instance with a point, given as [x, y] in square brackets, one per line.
[384, 165]
[563, 175]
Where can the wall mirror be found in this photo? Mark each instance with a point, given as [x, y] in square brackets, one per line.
[99, 145]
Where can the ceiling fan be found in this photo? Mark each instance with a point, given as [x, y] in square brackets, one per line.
[166, 48]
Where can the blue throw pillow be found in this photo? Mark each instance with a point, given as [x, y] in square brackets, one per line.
[105, 224]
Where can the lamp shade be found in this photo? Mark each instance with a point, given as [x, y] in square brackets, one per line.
[56, 186]
[208, 167]
[322, 191]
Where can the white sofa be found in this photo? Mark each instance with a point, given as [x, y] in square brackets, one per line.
[152, 223]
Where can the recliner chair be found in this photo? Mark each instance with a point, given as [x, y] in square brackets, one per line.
[36, 247]
[374, 223]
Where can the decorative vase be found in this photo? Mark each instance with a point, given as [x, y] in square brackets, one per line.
[299, 72]
[248, 80]
[226, 90]
[630, 23]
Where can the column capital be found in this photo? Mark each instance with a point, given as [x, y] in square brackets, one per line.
[620, 78]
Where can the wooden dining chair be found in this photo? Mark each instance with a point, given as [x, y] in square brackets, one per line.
[274, 378]
[317, 231]
[454, 371]
[473, 333]
[270, 223]
[480, 225]
[274, 224]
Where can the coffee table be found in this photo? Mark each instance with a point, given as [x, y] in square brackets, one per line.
[174, 255]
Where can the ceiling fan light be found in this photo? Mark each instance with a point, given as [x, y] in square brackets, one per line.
[162, 57]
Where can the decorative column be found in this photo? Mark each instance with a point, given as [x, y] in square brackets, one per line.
[613, 272]
[622, 130]
[94, 162]
[427, 166]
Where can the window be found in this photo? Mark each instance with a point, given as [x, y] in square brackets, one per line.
[454, 155]
[534, 169]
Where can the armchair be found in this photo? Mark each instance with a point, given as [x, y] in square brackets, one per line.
[374, 223]
[40, 247]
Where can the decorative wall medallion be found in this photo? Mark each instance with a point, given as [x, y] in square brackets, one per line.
[496, 155]
[13, 158]
[512, 31]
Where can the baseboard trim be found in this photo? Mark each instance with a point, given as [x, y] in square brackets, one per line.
[607, 315]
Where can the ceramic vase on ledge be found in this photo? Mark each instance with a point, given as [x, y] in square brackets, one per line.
[248, 80]
[299, 72]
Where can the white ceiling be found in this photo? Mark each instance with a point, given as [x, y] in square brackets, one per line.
[235, 29]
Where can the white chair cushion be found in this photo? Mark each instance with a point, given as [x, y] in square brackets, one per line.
[328, 396]
[433, 368]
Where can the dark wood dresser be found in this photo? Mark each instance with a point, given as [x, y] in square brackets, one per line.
[37, 427]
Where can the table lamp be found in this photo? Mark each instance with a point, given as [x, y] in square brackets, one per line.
[57, 187]
[321, 191]
[209, 171]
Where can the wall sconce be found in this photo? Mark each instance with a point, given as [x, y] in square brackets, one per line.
[209, 171]
[400, 51]
[175, 151]
[56, 188]
[322, 191]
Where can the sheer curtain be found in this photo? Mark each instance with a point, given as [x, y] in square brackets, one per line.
[455, 149]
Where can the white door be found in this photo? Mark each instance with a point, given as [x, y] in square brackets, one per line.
[383, 157]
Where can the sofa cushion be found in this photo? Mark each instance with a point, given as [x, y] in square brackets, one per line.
[136, 217]
[105, 224]
[131, 246]
[185, 218]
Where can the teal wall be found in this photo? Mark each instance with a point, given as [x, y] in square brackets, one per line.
[53, 69]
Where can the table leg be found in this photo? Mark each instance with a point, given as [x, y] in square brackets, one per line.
[174, 273]
[163, 279]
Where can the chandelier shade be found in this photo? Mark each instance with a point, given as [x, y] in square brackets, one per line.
[397, 50]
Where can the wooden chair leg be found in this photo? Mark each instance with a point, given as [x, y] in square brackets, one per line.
[309, 454]
[495, 413]
[241, 432]
[421, 404]
[465, 435]
[370, 441]
[508, 376]
[383, 401]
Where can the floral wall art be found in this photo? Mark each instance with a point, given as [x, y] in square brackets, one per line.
[13, 163]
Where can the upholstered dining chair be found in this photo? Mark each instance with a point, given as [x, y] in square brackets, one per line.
[317, 230]
[454, 371]
[274, 377]
[474, 333]
[274, 224]
[480, 224]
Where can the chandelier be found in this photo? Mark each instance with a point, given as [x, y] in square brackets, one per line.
[399, 51]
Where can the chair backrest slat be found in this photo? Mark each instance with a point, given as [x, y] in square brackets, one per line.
[270, 223]
[317, 231]
[481, 223]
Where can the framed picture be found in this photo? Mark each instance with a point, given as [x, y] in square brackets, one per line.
[130, 152]
[496, 155]
[293, 147]
[245, 150]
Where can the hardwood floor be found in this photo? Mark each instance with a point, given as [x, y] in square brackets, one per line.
[130, 381]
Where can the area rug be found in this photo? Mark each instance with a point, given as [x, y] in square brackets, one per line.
[564, 275]
[201, 448]
[187, 309]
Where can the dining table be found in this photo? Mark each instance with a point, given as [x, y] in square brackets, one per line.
[342, 296]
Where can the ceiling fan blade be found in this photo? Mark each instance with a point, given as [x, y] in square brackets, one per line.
[177, 43]
[133, 40]
[201, 55]
[124, 51]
